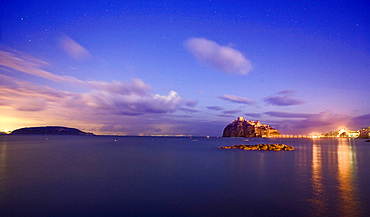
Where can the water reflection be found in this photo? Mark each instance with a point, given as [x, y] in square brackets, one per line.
[317, 179]
[347, 174]
[334, 162]
[3, 148]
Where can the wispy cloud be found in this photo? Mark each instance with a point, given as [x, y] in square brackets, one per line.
[73, 49]
[137, 87]
[100, 102]
[190, 110]
[124, 98]
[132, 101]
[191, 103]
[326, 119]
[253, 115]
[216, 108]
[237, 99]
[228, 112]
[361, 121]
[223, 58]
[287, 114]
[283, 98]
[31, 105]
[226, 115]
[319, 123]
[286, 92]
[14, 60]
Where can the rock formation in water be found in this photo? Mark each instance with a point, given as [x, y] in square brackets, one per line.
[243, 128]
[54, 130]
[263, 147]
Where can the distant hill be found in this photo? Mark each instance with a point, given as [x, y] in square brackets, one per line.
[243, 128]
[52, 130]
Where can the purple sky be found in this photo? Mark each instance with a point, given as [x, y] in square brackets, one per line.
[184, 67]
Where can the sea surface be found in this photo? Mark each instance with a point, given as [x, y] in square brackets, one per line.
[163, 176]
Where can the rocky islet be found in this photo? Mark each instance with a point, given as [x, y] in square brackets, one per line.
[262, 147]
[244, 128]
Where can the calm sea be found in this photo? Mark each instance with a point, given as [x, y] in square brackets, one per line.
[156, 176]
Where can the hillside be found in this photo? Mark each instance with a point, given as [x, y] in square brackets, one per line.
[50, 130]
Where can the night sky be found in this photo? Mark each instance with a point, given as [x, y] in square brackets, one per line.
[184, 67]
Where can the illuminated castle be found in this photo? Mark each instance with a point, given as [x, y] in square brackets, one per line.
[244, 128]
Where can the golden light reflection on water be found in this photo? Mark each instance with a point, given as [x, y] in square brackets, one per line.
[317, 179]
[347, 172]
[336, 163]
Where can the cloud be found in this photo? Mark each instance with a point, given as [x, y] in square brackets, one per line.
[283, 101]
[237, 99]
[191, 103]
[14, 60]
[99, 104]
[131, 101]
[231, 112]
[31, 105]
[326, 119]
[322, 122]
[73, 49]
[138, 87]
[305, 124]
[124, 98]
[190, 110]
[254, 115]
[287, 114]
[162, 104]
[286, 92]
[223, 58]
[361, 121]
[216, 108]
[283, 98]
[11, 88]
[226, 115]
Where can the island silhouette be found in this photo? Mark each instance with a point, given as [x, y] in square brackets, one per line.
[49, 130]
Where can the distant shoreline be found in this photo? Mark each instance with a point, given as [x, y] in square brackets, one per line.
[59, 130]
[179, 137]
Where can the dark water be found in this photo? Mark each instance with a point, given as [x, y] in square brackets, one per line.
[152, 176]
